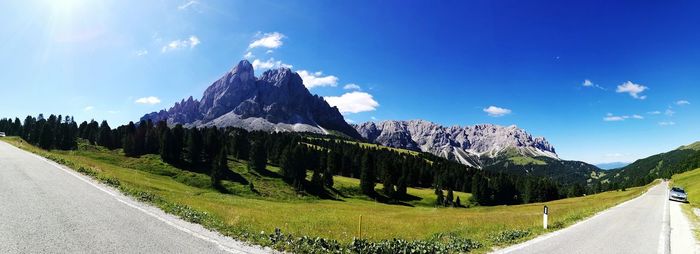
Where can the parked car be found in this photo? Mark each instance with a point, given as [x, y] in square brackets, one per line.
[2, 134]
[678, 194]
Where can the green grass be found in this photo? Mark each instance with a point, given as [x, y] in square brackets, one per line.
[524, 160]
[690, 181]
[243, 212]
[370, 145]
[693, 146]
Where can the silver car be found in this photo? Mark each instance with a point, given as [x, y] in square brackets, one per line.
[678, 194]
[2, 134]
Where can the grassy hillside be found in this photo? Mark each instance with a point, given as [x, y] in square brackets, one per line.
[562, 171]
[662, 165]
[690, 181]
[248, 213]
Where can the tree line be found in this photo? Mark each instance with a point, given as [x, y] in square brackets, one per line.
[207, 150]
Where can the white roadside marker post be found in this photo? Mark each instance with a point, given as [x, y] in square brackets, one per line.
[544, 217]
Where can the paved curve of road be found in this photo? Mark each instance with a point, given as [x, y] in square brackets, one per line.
[46, 208]
[638, 226]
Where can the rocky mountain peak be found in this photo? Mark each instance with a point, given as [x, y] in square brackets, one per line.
[467, 144]
[276, 101]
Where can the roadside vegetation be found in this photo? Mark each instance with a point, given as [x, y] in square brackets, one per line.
[263, 208]
[690, 182]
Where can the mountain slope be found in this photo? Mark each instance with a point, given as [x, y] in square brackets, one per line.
[467, 145]
[612, 165]
[491, 147]
[663, 165]
[276, 101]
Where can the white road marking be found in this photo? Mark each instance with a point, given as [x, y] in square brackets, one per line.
[115, 196]
[558, 232]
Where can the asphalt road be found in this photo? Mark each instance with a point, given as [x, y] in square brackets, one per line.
[641, 225]
[46, 208]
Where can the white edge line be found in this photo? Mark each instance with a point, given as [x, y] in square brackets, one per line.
[663, 236]
[558, 232]
[115, 196]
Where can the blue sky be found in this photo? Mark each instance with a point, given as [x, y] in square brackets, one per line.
[453, 63]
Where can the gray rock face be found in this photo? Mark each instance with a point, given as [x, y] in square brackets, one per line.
[277, 101]
[470, 145]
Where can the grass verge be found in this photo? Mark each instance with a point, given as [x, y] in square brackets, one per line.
[690, 181]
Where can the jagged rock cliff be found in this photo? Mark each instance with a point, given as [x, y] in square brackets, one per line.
[276, 101]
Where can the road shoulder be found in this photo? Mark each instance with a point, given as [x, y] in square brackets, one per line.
[682, 229]
[547, 236]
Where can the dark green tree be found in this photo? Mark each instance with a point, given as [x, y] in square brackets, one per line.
[258, 156]
[194, 147]
[219, 168]
[367, 174]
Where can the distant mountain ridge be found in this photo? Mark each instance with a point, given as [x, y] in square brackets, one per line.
[612, 165]
[469, 145]
[486, 146]
[276, 101]
[662, 165]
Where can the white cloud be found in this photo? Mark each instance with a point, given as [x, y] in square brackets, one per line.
[88, 108]
[191, 42]
[352, 86]
[187, 5]
[269, 64]
[268, 40]
[497, 111]
[141, 52]
[632, 89]
[148, 100]
[682, 102]
[655, 112]
[314, 79]
[269, 51]
[667, 123]
[589, 83]
[349, 120]
[669, 112]
[248, 55]
[353, 102]
[613, 118]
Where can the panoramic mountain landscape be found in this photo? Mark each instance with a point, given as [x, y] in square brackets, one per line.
[201, 126]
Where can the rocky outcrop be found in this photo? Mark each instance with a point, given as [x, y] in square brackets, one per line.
[276, 101]
[470, 145]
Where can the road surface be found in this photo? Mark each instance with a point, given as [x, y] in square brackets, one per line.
[641, 225]
[46, 208]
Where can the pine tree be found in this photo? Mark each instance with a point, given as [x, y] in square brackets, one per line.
[258, 157]
[194, 147]
[178, 142]
[439, 196]
[167, 146]
[104, 135]
[401, 187]
[46, 140]
[450, 198]
[219, 168]
[367, 174]
[328, 176]
[386, 179]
